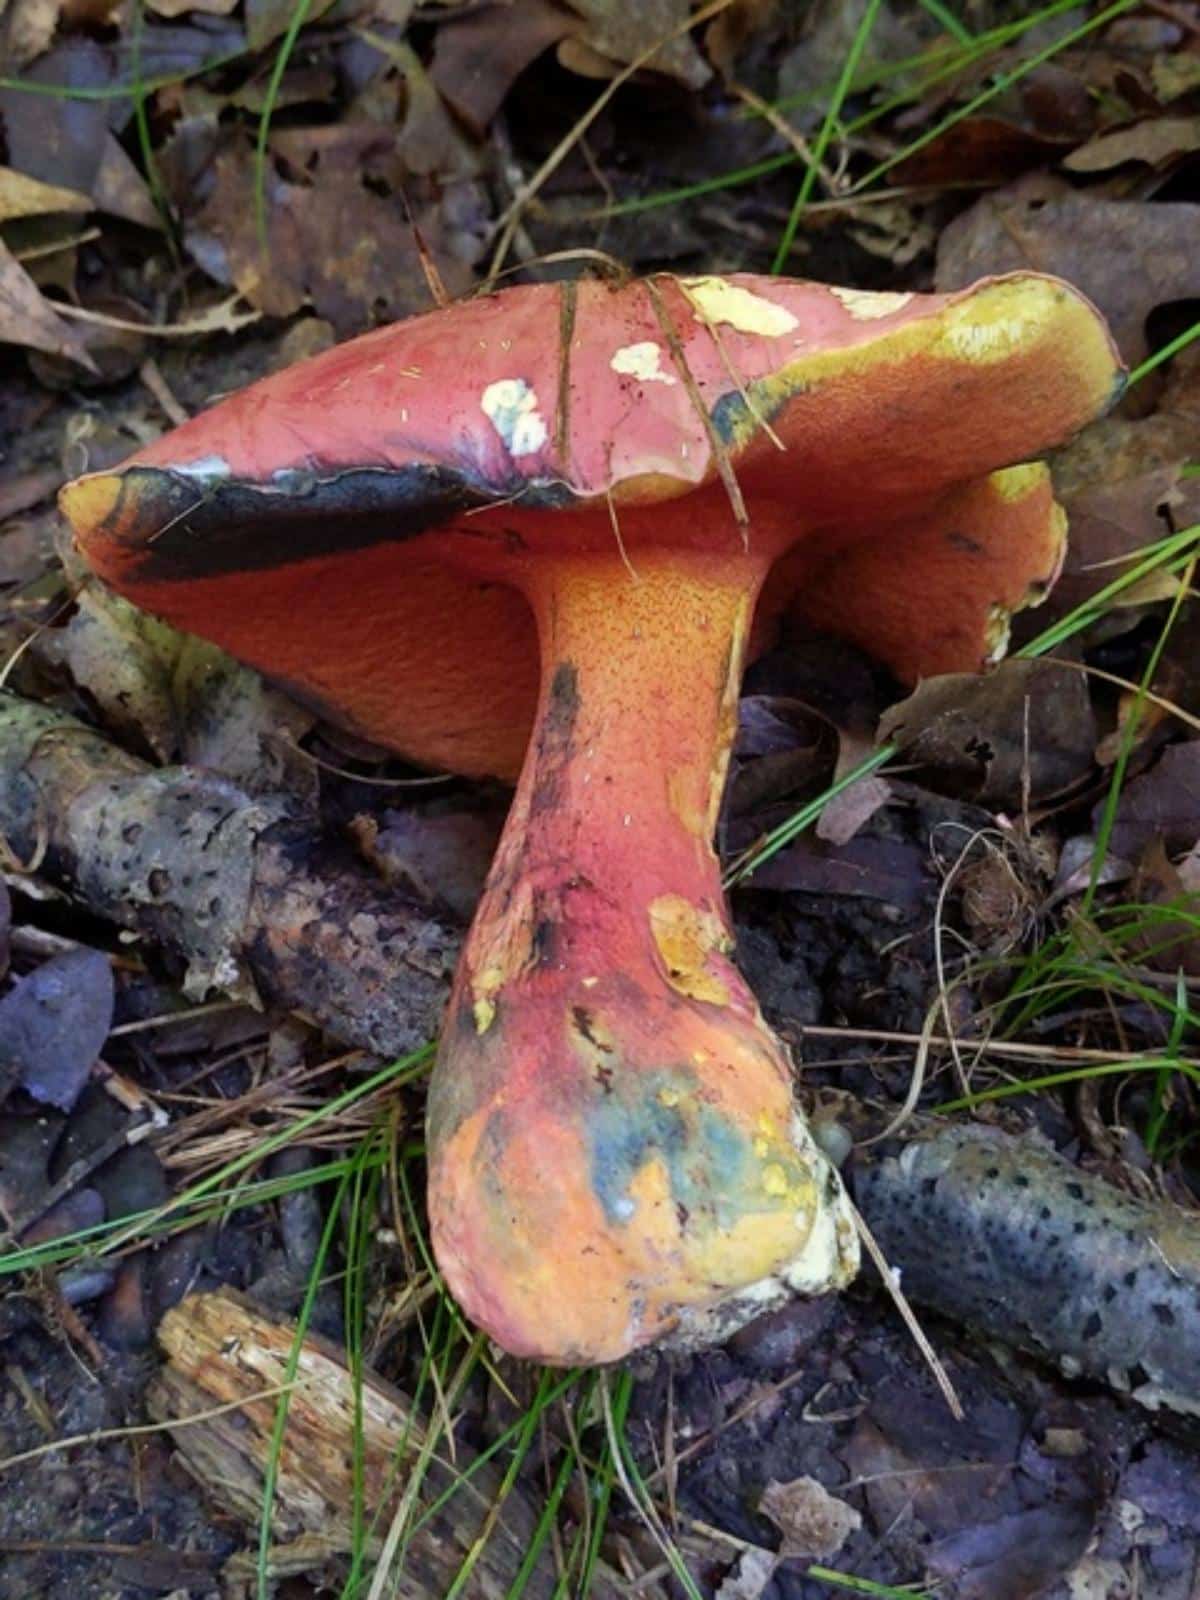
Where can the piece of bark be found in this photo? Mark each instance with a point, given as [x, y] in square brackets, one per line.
[248, 897]
[1004, 1235]
[221, 1349]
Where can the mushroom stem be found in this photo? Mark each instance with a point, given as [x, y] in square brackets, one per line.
[615, 1154]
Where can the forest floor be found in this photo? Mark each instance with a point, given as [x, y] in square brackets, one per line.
[997, 930]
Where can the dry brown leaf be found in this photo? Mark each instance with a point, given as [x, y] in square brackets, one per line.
[27, 319]
[332, 240]
[615, 33]
[22, 196]
[852, 809]
[57, 138]
[119, 188]
[1025, 723]
[1155, 142]
[813, 1522]
[268, 20]
[479, 55]
[1175, 75]
[1122, 485]
[1128, 256]
[1110, 521]
[178, 8]
[983, 148]
[749, 1577]
[1168, 944]
[1162, 804]
[430, 141]
[26, 29]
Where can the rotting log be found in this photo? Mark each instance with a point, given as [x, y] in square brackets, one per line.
[1008, 1237]
[226, 1365]
[243, 893]
[312, 931]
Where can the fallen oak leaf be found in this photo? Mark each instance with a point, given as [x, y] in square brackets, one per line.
[55, 123]
[1123, 484]
[1016, 1555]
[1112, 521]
[27, 319]
[429, 142]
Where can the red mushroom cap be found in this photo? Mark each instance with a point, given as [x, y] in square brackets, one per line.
[306, 507]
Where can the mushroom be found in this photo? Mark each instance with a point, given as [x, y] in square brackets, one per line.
[527, 534]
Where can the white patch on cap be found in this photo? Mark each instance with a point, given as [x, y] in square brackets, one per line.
[510, 405]
[205, 469]
[642, 361]
[866, 306]
[718, 300]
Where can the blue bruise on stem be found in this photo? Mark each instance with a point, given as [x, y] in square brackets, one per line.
[712, 1168]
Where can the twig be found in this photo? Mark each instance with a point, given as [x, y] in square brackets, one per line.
[891, 1282]
[217, 319]
[100, 1434]
[151, 375]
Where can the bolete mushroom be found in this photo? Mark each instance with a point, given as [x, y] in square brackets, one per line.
[528, 533]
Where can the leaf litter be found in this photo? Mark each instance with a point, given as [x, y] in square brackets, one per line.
[197, 176]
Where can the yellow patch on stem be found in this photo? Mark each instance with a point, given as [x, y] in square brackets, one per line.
[485, 987]
[685, 937]
[484, 1012]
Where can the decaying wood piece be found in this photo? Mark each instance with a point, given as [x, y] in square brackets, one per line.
[1010, 1238]
[220, 1349]
[245, 894]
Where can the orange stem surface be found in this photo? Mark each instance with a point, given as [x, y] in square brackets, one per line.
[614, 1150]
